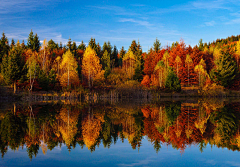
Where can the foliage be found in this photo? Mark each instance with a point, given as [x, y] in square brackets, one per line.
[172, 82]
[225, 71]
[91, 67]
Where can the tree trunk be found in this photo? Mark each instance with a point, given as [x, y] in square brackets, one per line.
[14, 87]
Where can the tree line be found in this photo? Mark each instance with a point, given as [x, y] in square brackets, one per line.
[52, 66]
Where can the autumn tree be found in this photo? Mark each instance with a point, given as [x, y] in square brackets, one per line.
[160, 69]
[32, 67]
[237, 51]
[129, 63]
[188, 61]
[178, 61]
[201, 70]
[69, 67]
[91, 67]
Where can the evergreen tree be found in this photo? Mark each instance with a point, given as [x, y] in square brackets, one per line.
[115, 56]
[23, 44]
[74, 49]
[12, 66]
[4, 48]
[69, 44]
[200, 45]
[95, 47]
[172, 82]
[52, 45]
[12, 43]
[121, 54]
[82, 46]
[106, 63]
[33, 42]
[157, 45]
[225, 71]
[36, 43]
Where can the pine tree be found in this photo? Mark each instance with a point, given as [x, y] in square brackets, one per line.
[172, 81]
[69, 44]
[156, 45]
[12, 66]
[12, 43]
[225, 71]
[51, 45]
[82, 46]
[121, 54]
[4, 48]
[33, 42]
[115, 56]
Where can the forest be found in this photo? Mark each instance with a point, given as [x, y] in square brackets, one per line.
[35, 66]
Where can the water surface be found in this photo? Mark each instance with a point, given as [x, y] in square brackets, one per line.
[187, 133]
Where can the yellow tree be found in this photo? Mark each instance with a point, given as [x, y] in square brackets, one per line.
[216, 54]
[178, 61]
[238, 51]
[43, 54]
[188, 61]
[160, 68]
[69, 67]
[129, 62]
[32, 65]
[166, 59]
[91, 67]
[200, 68]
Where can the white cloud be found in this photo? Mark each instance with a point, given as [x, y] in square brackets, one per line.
[210, 23]
[139, 22]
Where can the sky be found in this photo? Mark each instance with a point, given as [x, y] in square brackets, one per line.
[121, 22]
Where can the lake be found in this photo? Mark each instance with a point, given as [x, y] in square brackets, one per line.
[202, 132]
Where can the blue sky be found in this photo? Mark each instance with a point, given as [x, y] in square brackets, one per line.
[120, 22]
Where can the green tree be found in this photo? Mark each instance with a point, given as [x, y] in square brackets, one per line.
[225, 71]
[69, 44]
[172, 81]
[95, 47]
[114, 57]
[4, 48]
[200, 45]
[12, 67]
[51, 45]
[106, 63]
[12, 44]
[82, 46]
[33, 42]
[121, 55]
[156, 45]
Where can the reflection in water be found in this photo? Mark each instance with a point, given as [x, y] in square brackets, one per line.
[170, 123]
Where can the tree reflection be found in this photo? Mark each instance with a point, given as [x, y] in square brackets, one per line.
[177, 124]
